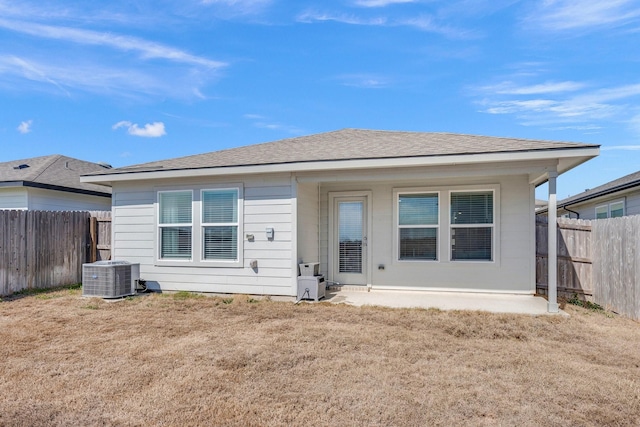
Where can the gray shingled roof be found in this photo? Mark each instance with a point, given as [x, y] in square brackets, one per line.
[626, 182]
[54, 172]
[350, 144]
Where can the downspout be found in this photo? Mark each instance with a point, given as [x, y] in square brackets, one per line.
[570, 211]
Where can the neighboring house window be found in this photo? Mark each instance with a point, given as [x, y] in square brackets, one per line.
[611, 210]
[616, 209]
[220, 224]
[472, 225]
[418, 226]
[175, 223]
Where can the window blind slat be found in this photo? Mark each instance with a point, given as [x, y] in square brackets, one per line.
[221, 242]
[219, 206]
[418, 209]
[350, 237]
[175, 242]
[418, 244]
[175, 207]
[472, 208]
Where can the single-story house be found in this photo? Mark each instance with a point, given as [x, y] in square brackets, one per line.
[383, 209]
[51, 183]
[620, 197]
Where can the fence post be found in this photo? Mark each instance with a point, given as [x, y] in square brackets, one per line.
[93, 237]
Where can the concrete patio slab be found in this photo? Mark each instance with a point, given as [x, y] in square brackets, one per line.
[494, 303]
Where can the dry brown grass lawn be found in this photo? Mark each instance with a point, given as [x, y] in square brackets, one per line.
[172, 360]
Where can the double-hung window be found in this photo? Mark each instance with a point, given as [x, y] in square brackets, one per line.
[612, 210]
[418, 226]
[175, 222]
[220, 224]
[472, 225]
[200, 226]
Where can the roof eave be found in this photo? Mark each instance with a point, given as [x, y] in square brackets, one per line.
[568, 158]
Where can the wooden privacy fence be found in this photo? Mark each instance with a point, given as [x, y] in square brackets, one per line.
[616, 264]
[574, 256]
[599, 259]
[42, 249]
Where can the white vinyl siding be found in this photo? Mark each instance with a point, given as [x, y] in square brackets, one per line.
[417, 234]
[264, 202]
[13, 198]
[38, 199]
[472, 222]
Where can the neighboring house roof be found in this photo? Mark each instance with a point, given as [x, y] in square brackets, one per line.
[351, 145]
[54, 172]
[621, 184]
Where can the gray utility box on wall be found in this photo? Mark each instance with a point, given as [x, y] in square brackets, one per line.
[109, 279]
[311, 285]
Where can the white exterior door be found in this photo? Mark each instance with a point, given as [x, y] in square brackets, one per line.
[350, 240]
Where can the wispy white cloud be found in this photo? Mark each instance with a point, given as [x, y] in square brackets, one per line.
[146, 49]
[380, 3]
[422, 22]
[243, 6]
[511, 88]
[150, 130]
[365, 81]
[62, 76]
[565, 15]
[309, 17]
[263, 122]
[25, 127]
[562, 105]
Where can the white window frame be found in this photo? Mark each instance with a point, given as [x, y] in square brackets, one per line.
[172, 225]
[493, 225]
[397, 227]
[203, 225]
[606, 211]
[607, 206]
[197, 227]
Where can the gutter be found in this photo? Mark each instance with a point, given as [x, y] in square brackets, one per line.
[30, 184]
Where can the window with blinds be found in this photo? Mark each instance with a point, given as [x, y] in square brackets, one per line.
[472, 224]
[220, 224]
[418, 226]
[175, 222]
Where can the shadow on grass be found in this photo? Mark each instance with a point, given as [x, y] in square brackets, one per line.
[44, 293]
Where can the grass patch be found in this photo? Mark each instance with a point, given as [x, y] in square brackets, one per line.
[201, 361]
[184, 295]
[575, 300]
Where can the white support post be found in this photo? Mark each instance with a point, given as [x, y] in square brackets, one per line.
[552, 260]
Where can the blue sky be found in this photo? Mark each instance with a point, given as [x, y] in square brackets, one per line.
[127, 82]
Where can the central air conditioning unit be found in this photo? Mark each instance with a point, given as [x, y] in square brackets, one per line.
[109, 279]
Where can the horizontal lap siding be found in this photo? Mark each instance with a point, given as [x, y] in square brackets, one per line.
[267, 204]
[50, 200]
[13, 198]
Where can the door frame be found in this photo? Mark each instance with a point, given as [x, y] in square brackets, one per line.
[332, 247]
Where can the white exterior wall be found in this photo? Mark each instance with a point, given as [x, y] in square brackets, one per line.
[308, 222]
[267, 203]
[511, 271]
[51, 200]
[13, 198]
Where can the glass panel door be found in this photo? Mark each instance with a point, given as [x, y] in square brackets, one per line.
[350, 236]
[350, 240]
